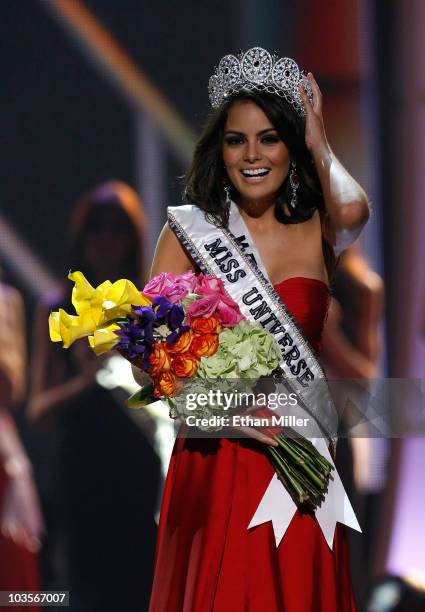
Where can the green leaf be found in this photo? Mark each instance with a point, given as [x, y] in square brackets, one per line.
[142, 397]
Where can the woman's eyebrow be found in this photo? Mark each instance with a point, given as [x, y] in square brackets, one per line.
[258, 133]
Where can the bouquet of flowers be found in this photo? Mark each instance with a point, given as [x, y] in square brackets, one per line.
[182, 329]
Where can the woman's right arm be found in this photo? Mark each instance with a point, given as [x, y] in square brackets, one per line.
[169, 255]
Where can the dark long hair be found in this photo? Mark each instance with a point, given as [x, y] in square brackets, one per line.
[206, 177]
[118, 195]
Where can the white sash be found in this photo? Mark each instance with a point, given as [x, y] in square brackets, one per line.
[231, 255]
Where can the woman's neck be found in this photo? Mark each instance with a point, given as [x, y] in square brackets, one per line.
[257, 213]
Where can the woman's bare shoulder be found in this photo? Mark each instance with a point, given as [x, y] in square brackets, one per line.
[170, 255]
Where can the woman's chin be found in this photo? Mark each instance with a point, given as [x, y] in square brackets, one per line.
[257, 197]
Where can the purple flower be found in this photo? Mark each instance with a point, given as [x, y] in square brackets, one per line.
[146, 320]
[170, 313]
[175, 316]
[175, 335]
[136, 340]
[161, 307]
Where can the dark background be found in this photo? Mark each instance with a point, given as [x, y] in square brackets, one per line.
[64, 128]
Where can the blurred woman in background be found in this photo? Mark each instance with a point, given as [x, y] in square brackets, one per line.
[21, 523]
[351, 350]
[102, 476]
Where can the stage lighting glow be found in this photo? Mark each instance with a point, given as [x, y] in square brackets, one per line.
[385, 597]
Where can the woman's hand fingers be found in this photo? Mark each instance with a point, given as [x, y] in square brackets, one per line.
[21, 519]
[316, 104]
[314, 128]
[251, 432]
[317, 94]
[304, 98]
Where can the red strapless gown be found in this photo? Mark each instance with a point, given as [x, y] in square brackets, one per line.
[18, 566]
[206, 558]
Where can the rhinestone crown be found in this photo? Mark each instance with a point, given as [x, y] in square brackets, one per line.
[260, 70]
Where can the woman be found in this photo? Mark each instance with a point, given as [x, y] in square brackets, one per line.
[351, 348]
[101, 476]
[264, 149]
[21, 524]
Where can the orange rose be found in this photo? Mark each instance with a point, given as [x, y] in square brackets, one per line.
[159, 359]
[164, 384]
[205, 325]
[204, 345]
[185, 365]
[182, 343]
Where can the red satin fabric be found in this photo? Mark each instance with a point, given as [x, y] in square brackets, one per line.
[18, 567]
[206, 558]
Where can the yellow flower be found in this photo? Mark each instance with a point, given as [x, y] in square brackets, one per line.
[108, 301]
[68, 328]
[95, 308]
[54, 327]
[119, 297]
[104, 339]
[83, 294]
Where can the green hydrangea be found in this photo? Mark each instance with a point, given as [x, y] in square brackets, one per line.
[245, 351]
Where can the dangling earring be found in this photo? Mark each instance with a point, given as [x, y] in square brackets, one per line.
[294, 181]
[226, 188]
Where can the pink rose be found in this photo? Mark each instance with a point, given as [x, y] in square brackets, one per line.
[173, 288]
[174, 293]
[187, 280]
[204, 307]
[209, 284]
[212, 285]
[159, 284]
[214, 301]
[226, 311]
[228, 315]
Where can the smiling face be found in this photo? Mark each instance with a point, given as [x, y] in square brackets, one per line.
[256, 159]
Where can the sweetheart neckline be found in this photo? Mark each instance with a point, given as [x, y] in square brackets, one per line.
[290, 278]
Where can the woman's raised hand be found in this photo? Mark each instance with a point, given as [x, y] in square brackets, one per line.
[253, 432]
[315, 135]
[256, 434]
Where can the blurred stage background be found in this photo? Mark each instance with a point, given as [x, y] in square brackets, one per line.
[101, 89]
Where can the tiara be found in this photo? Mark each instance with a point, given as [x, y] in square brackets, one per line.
[260, 70]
